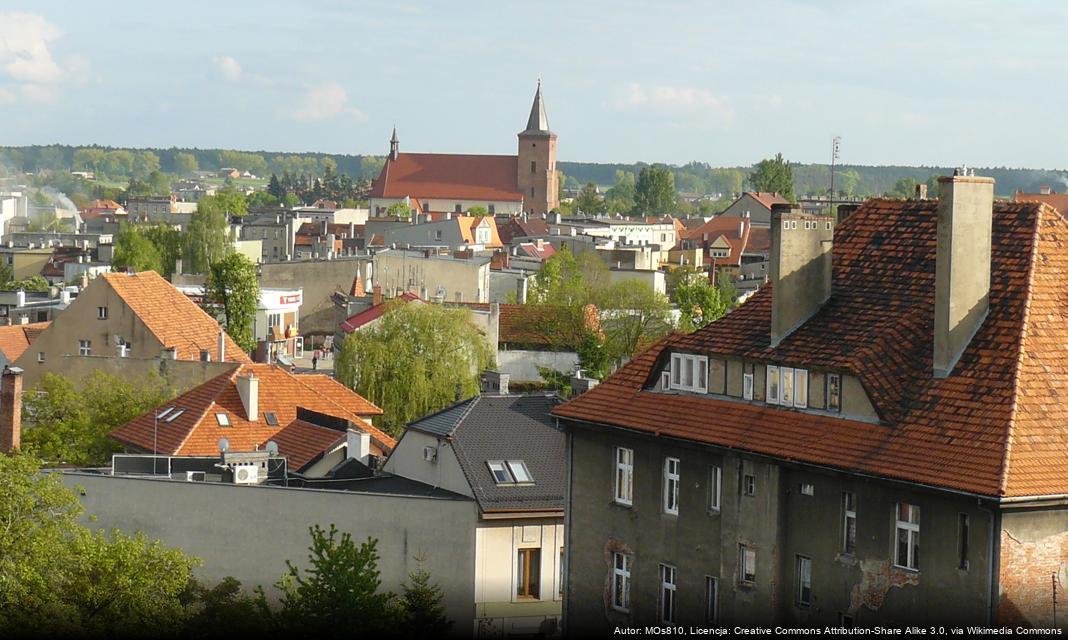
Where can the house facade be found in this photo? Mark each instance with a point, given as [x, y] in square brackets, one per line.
[868, 440]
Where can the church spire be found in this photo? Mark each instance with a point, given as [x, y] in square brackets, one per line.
[538, 122]
[394, 144]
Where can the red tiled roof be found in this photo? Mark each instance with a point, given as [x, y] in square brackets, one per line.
[15, 339]
[449, 176]
[545, 252]
[302, 442]
[516, 227]
[759, 240]
[197, 432]
[1058, 201]
[995, 427]
[767, 198]
[734, 231]
[367, 316]
[174, 319]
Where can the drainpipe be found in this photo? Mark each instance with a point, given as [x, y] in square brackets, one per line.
[565, 577]
[993, 585]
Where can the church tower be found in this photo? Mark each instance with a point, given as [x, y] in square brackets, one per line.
[537, 161]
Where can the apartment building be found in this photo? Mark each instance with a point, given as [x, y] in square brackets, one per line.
[873, 438]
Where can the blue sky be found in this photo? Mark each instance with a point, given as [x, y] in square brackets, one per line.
[948, 83]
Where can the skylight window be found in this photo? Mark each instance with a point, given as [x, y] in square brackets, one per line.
[163, 414]
[519, 471]
[500, 474]
[510, 472]
[222, 419]
[270, 418]
[174, 416]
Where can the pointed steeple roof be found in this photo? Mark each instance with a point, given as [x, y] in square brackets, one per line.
[538, 122]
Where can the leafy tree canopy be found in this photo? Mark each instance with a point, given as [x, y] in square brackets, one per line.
[773, 175]
[233, 285]
[700, 302]
[654, 192]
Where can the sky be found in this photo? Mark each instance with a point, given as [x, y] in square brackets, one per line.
[977, 83]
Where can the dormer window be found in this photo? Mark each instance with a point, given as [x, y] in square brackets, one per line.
[689, 372]
[787, 387]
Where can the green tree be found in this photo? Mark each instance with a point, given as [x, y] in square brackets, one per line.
[274, 188]
[145, 163]
[635, 315]
[589, 200]
[399, 209]
[233, 285]
[620, 197]
[478, 212]
[416, 360]
[185, 164]
[118, 163]
[59, 579]
[134, 251]
[232, 201]
[699, 302]
[223, 606]
[261, 200]
[291, 200]
[773, 175]
[70, 425]
[654, 192]
[423, 611]
[339, 591]
[32, 283]
[903, 188]
[206, 238]
[90, 159]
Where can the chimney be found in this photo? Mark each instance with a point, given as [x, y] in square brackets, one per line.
[921, 191]
[521, 289]
[248, 387]
[10, 409]
[800, 267]
[178, 266]
[24, 319]
[358, 444]
[962, 265]
[377, 295]
[222, 346]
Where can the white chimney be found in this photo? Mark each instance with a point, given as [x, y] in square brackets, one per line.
[248, 387]
[358, 444]
[222, 346]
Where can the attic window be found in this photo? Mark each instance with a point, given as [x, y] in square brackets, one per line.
[519, 471]
[500, 474]
[270, 418]
[222, 419]
[164, 413]
[510, 472]
[174, 416]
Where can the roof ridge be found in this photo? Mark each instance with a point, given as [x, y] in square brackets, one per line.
[364, 425]
[1018, 360]
[461, 453]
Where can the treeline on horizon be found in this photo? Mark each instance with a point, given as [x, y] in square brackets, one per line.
[691, 178]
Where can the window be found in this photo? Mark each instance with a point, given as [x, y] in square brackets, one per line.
[749, 484]
[834, 392]
[804, 581]
[746, 565]
[85, 347]
[772, 394]
[483, 235]
[667, 594]
[560, 574]
[624, 475]
[671, 486]
[528, 570]
[747, 386]
[532, 192]
[492, 209]
[101, 313]
[907, 552]
[500, 474]
[274, 320]
[711, 599]
[808, 489]
[621, 581]
[962, 543]
[437, 234]
[689, 372]
[849, 523]
[40, 356]
[457, 208]
[520, 472]
[222, 419]
[174, 416]
[786, 380]
[715, 487]
[844, 619]
[800, 388]
[533, 166]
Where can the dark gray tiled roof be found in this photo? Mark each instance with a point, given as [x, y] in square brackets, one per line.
[443, 422]
[511, 428]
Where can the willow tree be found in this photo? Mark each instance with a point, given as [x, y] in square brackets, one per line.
[418, 359]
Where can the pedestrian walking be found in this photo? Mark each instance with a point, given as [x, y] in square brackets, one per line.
[315, 360]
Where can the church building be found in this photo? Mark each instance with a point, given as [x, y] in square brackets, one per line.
[447, 183]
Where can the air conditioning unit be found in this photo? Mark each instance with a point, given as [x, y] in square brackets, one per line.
[430, 454]
[246, 474]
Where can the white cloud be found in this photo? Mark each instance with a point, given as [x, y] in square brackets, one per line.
[668, 99]
[228, 67]
[26, 59]
[329, 100]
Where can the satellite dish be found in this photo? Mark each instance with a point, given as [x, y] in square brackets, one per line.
[272, 447]
[224, 445]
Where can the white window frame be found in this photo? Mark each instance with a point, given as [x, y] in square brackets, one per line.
[773, 384]
[746, 565]
[697, 368]
[499, 465]
[85, 347]
[786, 386]
[519, 471]
[40, 356]
[803, 581]
[668, 601]
[624, 475]
[808, 489]
[715, 488]
[837, 405]
[747, 386]
[801, 388]
[223, 419]
[910, 526]
[621, 563]
[101, 313]
[749, 484]
[711, 599]
[671, 486]
[849, 523]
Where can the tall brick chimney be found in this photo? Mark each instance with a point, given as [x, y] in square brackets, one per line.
[800, 268]
[962, 265]
[10, 409]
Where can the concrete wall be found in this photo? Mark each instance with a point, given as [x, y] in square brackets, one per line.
[523, 365]
[654, 279]
[319, 279]
[779, 523]
[1033, 551]
[461, 280]
[180, 375]
[497, 608]
[407, 460]
[250, 531]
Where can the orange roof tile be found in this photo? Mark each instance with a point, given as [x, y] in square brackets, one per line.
[468, 224]
[14, 340]
[449, 176]
[171, 316]
[734, 231]
[197, 432]
[302, 442]
[995, 427]
[767, 198]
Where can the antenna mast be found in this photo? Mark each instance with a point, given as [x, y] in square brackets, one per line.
[835, 141]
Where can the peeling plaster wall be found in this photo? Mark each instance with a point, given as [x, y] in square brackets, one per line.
[1034, 557]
